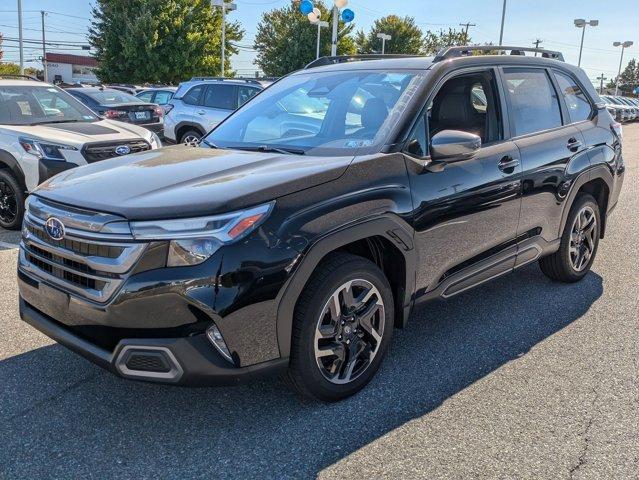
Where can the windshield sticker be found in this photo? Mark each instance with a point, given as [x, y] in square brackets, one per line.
[52, 90]
[88, 117]
[358, 143]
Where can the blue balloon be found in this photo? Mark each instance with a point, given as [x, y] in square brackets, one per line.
[348, 15]
[306, 7]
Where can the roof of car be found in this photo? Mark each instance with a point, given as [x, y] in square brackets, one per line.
[23, 83]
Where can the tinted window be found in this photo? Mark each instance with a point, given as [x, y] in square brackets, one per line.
[220, 96]
[244, 94]
[533, 101]
[576, 100]
[193, 96]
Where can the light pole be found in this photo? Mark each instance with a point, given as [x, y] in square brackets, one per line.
[581, 23]
[384, 38]
[503, 18]
[623, 46]
[44, 50]
[225, 7]
[306, 7]
[320, 24]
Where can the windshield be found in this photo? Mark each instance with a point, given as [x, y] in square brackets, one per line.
[110, 96]
[31, 105]
[321, 113]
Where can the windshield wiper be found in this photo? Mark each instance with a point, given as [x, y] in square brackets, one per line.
[209, 144]
[267, 149]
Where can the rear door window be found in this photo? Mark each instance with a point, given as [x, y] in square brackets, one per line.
[533, 101]
[221, 97]
[146, 96]
[244, 94]
[579, 106]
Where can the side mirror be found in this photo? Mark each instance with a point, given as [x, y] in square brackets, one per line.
[453, 145]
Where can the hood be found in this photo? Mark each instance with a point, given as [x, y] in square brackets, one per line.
[79, 133]
[182, 181]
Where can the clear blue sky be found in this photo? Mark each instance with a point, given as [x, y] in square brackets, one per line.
[526, 20]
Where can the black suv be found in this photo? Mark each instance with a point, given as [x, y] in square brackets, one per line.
[305, 227]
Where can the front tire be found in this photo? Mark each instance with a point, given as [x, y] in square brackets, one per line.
[191, 137]
[342, 327]
[579, 243]
[12, 199]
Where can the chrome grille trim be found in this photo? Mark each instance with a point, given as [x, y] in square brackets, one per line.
[71, 264]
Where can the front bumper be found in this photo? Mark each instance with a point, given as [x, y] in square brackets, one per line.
[187, 361]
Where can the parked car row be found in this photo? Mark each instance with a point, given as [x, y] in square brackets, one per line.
[623, 109]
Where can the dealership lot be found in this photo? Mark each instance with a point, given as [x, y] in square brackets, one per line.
[521, 378]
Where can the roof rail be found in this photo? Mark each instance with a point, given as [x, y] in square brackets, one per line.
[466, 50]
[331, 60]
[19, 77]
[232, 79]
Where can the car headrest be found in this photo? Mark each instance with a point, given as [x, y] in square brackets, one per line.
[374, 113]
[454, 109]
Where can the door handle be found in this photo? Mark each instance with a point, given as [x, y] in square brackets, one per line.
[573, 144]
[507, 164]
[201, 112]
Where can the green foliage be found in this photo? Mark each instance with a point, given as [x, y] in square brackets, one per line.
[629, 78]
[159, 41]
[434, 42]
[406, 36]
[286, 40]
[14, 69]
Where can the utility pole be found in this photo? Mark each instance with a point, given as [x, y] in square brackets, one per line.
[601, 79]
[623, 46]
[225, 7]
[334, 36]
[537, 42]
[44, 49]
[467, 24]
[384, 37]
[503, 18]
[20, 40]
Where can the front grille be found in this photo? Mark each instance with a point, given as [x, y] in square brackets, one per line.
[85, 262]
[102, 151]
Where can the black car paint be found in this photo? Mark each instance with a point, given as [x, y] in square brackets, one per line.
[452, 228]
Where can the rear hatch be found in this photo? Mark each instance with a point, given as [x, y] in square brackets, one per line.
[140, 113]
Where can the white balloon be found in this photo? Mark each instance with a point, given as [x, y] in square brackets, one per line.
[312, 17]
[317, 12]
[340, 3]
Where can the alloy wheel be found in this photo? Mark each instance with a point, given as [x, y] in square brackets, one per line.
[8, 203]
[583, 238]
[349, 331]
[191, 140]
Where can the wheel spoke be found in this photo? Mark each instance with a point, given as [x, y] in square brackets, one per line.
[366, 321]
[335, 307]
[334, 349]
[347, 295]
[327, 331]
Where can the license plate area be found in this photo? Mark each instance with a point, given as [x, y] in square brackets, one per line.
[142, 115]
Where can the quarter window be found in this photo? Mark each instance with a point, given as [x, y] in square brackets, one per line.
[245, 94]
[578, 105]
[534, 105]
[193, 96]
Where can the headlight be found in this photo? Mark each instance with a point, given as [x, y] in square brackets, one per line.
[193, 240]
[155, 141]
[46, 150]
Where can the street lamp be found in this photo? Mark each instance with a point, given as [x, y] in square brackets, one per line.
[581, 23]
[226, 7]
[384, 37]
[623, 46]
[320, 24]
[306, 7]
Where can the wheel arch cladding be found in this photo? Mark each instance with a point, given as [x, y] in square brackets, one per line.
[8, 162]
[386, 240]
[183, 127]
[599, 189]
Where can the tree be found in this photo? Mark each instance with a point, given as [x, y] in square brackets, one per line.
[14, 69]
[406, 36]
[434, 42]
[163, 41]
[629, 78]
[286, 40]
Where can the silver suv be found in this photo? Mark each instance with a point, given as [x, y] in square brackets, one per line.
[201, 103]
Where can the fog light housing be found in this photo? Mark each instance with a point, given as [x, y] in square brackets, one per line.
[215, 337]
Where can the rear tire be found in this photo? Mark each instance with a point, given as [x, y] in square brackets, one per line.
[12, 198]
[191, 137]
[342, 326]
[579, 242]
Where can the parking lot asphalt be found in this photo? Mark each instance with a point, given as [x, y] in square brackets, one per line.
[521, 378]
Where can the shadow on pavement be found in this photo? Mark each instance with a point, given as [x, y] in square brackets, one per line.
[62, 416]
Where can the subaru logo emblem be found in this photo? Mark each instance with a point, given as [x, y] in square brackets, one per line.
[122, 150]
[54, 228]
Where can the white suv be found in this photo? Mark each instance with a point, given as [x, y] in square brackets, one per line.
[201, 103]
[44, 131]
